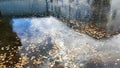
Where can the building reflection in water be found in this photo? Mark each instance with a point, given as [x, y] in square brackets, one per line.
[100, 10]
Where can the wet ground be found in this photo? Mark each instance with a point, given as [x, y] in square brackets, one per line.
[9, 43]
[49, 43]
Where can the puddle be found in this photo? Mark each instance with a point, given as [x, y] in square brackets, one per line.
[48, 42]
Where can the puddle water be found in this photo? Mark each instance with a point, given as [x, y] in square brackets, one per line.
[48, 43]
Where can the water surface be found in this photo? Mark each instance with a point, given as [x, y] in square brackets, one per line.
[39, 37]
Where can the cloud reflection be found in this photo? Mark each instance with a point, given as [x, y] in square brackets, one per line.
[40, 35]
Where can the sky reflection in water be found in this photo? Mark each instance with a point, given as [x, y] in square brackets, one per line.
[40, 35]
